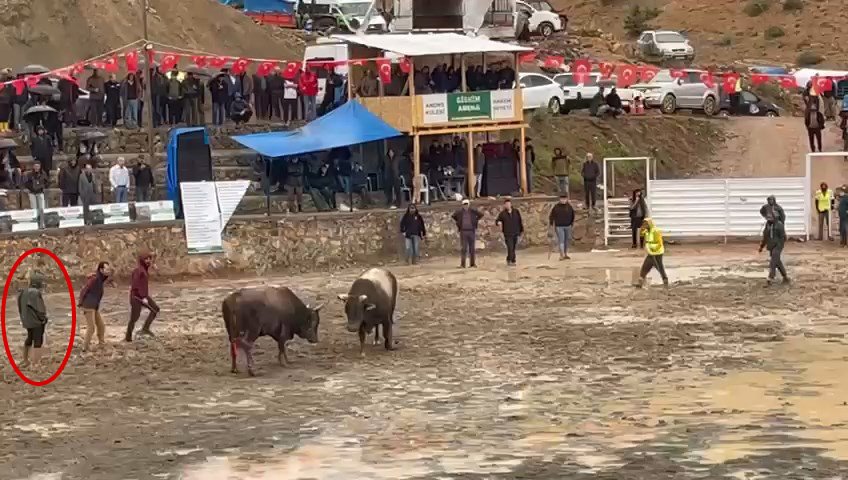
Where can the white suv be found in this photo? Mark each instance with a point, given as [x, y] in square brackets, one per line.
[689, 92]
[542, 18]
[664, 45]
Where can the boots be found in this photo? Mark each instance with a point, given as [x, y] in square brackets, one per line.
[145, 330]
[25, 363]
[130, 328]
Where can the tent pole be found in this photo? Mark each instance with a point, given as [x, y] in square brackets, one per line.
[523, 159]
[267, 186]
[471, 177]
[462, 66]
[416, 166]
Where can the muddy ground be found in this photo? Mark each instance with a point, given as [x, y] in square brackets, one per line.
[548, 370]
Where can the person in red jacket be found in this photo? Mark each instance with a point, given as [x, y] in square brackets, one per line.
[308, 87]
[140, 296]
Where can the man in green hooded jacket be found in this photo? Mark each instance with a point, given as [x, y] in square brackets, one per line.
[34, 318]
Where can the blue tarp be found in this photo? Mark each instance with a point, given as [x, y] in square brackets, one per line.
[171, 165]
[266, 6]
[350, 124]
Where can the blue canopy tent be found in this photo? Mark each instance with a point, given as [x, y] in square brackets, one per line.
[350, 124]
[192, 142]
[263, 6]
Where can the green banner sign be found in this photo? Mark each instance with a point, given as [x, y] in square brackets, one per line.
[469, 106]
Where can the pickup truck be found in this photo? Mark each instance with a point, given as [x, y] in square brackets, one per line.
[578, 96]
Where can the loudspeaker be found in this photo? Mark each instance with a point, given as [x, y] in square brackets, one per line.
[194, 158]
[500, 176]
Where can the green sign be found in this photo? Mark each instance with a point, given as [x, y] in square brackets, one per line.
[469, 106]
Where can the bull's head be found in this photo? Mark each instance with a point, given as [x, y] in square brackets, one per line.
[355, 308]
[310, 333]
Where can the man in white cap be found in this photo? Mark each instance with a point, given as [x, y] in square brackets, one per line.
[467, 219]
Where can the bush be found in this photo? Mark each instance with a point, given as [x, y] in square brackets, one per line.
[808, 59]
[637, 20]
[773, 32]
[756, 7]
[793, 5]
[725, 41]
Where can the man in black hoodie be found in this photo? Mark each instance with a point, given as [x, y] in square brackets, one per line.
[144, 181]
[591, 171]
[35, 183]
[467, 220]
[774, 238]
[561, 220]
[69, 183]
[772, 207]
[42, 149]
[510, 222]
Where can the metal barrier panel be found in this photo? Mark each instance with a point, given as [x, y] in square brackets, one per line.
[724, 207]
[618, 217]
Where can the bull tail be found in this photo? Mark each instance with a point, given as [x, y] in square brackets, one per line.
[228, 307]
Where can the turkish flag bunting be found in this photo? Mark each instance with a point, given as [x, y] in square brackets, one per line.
[728, 83]
[788, 82]
[648, 73]
[240, 66]
[707, 79]
[384, 66]
[406, 65]
[358, 62]
[291, 70]
[677, 73]
[77, 69]
[97, 65]
[169, 62]
[32, 80]
[606, 69]
[217, 62]
[626, 76]
[265, 68]
[581, 77]
[112, 64]
[131, 59]
[19, 86]
[527, 57]
[200, 61]
[822, 84]
[581, 65]
[65, 73]
[553, 61]
[759, 79]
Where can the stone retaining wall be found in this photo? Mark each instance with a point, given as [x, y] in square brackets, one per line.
[254, 245]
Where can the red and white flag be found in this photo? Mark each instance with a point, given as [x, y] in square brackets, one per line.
[384, 66]
[728, 82]
[553, 61]
[646, 73]
[626, 76]
[759, 78]
[291, 70]
[112, 64]
[707, 79]
[527, 57]
[788, 82]
[406, 65]
[131, 59]
[216, 62]
[169, 62]
[200, 61]
[581, 65]
[265, 68]
[606, 69]
[677, 73]
[240, 66]
[822, 84]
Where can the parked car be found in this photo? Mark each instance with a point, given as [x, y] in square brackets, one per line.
[578, 96]
[539, 91]
[664, 45]
[749, 105]
[689, 92]
[542, 18]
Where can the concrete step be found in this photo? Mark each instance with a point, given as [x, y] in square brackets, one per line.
[220, 158]
[221, 173]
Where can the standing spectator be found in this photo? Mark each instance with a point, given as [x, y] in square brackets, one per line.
[277, 90]
[175, 98]
[561, 220]
[413, 230]
[843, 217]
[114, 93]
[159, 97]
[638, 212]
[824, 205]
[140, 296]
[341, 160]
[774, 208]
[89, 301]
[294, 184]
[7, 98]
[68, 96]
[139, 78]
[591, 170]
[510, 222]
[89, 187]
[96, 86]
[119, 179]
[9, 163]
[479, 168]
[246, 87]
[240, 111]
[308, 88]
[391, 179]
[829, 97]
[467, 220]
[42, 149]
[261, 97]
[144, 181]
[359, 183]
[69, 178]
[21, 99]
[220, 97]
[35, 183]
[130, 94]
[33, 315]
[774, 239]
[530, 160]
[814, 121]
[655, 249]
[192, 93]
[560, 166]
[369, 87]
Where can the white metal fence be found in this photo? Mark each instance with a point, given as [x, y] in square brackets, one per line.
[726, 207]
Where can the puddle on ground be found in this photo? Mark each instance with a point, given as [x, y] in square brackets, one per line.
[710, 275]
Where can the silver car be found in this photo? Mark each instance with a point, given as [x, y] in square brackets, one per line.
[664, 45]
[688, 92]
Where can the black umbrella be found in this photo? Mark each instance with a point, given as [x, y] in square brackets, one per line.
[195, 70]
[92, 135]
[39, 109]
[34, 69]
[42, 89]
[7, 143]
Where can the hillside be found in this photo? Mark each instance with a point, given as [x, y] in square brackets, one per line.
[59, 32]
[722, 31]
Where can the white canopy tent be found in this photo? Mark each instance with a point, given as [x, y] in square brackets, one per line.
[425, 44]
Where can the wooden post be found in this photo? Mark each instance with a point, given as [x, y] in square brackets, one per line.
[471, 177]
[416, 167]
[349, 83]
[462, 66]
[523, 160]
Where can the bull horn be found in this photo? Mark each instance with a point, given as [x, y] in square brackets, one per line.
[319, 307]
[343, 297]
[362, 298]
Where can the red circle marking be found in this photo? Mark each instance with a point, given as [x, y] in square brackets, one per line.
[73, 317]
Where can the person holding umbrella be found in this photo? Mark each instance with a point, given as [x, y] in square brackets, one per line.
[42, 149]
[21, 99]
[7, 98]
[68, 95]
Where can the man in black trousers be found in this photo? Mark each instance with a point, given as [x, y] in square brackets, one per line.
[591, 171]
[510, 222]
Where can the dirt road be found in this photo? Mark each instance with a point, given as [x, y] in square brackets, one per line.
[548, 370]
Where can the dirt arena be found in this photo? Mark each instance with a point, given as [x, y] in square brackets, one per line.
[548, 370]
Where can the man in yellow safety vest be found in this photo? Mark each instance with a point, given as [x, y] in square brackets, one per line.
[655, 249]
[824, 205]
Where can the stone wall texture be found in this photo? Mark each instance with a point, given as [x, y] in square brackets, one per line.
[256, 245]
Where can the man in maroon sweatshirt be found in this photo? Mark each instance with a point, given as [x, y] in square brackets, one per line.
[140, 296]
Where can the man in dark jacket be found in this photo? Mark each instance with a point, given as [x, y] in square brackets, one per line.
[561, 220]
[219, 94]
[144, 181]
[240, 111]
[96, 86]
[467, 220]
[42, 149]
[9, 163]
[113, 100]
[69, 183]
[614, 103]
[772, 207]
[33, 315]
[159, 97]
[774, 238]
[842, 209]
[21, 99]
[413, 230]
[295, 170]
[140, 296]
[323, 187]
[89, 300]
[591, 171]
[192, 93]
[68, 94]
[510, 222]
[35, 183]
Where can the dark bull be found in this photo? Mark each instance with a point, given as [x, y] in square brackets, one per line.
[371, 303]
[277, 312]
